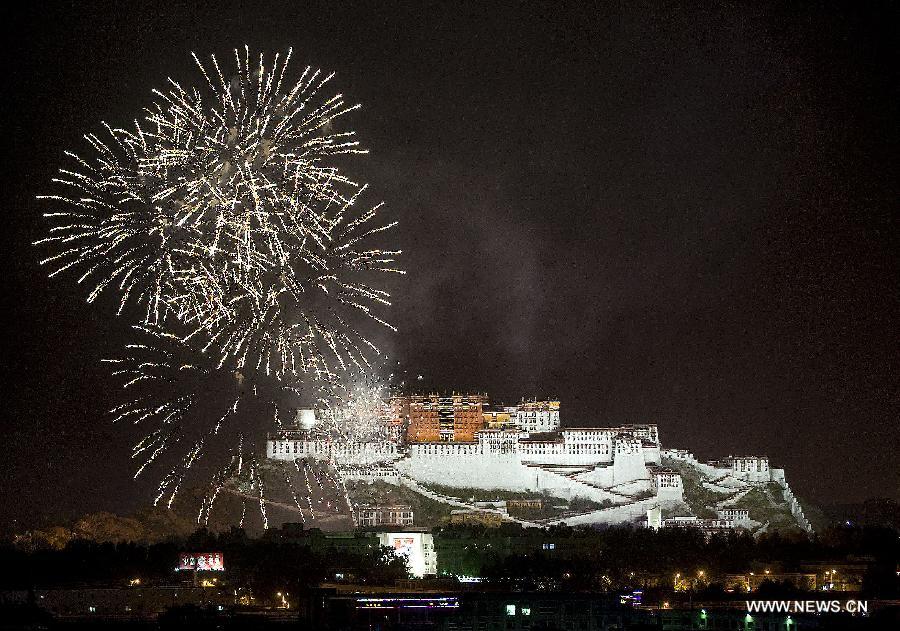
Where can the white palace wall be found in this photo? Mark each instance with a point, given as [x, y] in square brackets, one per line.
[359, 453]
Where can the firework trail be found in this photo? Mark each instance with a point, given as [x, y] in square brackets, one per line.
[308, 487]
[341, 485]
[358, 411]
[256, 482]
[247, 158]
[248, 155]
[290, 485]
[190, 410]
[308, 317]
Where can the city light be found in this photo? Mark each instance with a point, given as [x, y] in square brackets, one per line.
[436, 602]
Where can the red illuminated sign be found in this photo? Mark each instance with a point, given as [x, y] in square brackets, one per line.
[202, 561]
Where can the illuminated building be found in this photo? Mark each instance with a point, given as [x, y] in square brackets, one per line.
[740, 516]
[455, 441]
[416, 547]
[666, 483]
[749, 467]
[707, 526]
[291, 444]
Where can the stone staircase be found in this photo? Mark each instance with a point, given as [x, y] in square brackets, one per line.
[626, 499]
[633, 511]
[413, 485]
[731, 499]
[591, 488]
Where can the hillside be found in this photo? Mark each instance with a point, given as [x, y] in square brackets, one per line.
[312, 494]
[769, 504]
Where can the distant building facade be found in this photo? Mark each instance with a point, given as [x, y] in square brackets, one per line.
[457, 440]
[476, 517]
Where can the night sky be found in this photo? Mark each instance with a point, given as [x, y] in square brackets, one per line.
[655, 213]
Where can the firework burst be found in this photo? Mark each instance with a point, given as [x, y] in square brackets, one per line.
[223, 212]
[248, 156]
[224, 216]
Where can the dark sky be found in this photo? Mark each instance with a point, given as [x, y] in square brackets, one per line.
[655, 212]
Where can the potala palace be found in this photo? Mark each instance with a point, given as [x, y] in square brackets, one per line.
[433, 442]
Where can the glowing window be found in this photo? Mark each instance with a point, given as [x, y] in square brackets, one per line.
[510, 610]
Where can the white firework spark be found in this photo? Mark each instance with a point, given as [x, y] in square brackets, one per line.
[108, 229]
[360, 412]
[309, 316]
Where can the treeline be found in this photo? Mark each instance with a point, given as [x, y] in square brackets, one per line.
[616, 558]
[264, 565]
[558, 557]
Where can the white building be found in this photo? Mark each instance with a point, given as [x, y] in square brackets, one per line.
[708, 526]
[575, 462]
[748, 468]
[740, 516]
[416, 547]
[292, 445]
[666, 484]
[392, 515]
[537, 416]
[748, 464]
[618, 465]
